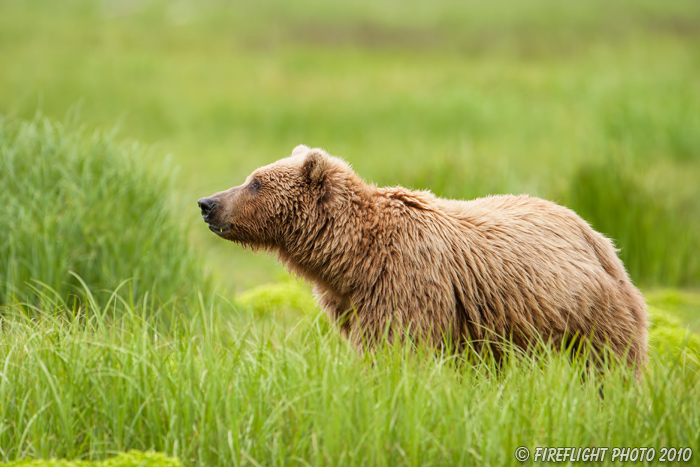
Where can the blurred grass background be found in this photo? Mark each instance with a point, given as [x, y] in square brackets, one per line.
[592, 104]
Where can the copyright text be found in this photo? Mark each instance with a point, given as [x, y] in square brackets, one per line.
[602, 454]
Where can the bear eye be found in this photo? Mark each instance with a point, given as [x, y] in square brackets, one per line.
[255, 185]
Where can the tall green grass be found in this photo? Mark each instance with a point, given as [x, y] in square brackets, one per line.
[217, 389]
[76, 203]
[658, 233]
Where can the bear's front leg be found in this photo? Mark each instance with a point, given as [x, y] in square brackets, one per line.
[337, 307]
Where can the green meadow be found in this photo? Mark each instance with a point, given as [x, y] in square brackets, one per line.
[127, 328]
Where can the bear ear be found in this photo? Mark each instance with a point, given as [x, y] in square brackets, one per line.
[301, 149]
[314, 167]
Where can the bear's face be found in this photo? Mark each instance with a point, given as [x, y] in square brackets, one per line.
[273, 203]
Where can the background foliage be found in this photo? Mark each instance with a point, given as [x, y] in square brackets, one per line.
[598, 111]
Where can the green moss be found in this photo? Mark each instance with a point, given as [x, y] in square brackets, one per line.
[127, 459]
[286, 296]
[669, 333]
[684, 305]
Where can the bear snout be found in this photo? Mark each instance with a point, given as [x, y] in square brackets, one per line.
[208, 206]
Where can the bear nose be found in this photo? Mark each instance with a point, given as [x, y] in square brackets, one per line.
[207, 205]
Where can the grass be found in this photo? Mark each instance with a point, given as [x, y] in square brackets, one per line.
[78, 204]
[225, 389]
[596, 111]
[650, 230]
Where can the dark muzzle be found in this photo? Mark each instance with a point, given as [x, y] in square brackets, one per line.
[208, 206]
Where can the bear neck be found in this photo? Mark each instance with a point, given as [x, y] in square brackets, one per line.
[332, 249]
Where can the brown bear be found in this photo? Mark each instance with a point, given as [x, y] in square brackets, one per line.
[389, 260]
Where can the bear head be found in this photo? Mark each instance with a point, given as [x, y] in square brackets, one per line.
[278, 203]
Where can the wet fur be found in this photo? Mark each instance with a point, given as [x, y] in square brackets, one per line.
[395, 259]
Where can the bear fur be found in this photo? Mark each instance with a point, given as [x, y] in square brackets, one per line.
[389, 260]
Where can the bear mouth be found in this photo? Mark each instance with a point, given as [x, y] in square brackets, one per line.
[220, 229]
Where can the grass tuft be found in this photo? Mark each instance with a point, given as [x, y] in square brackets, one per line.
[77, 204]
